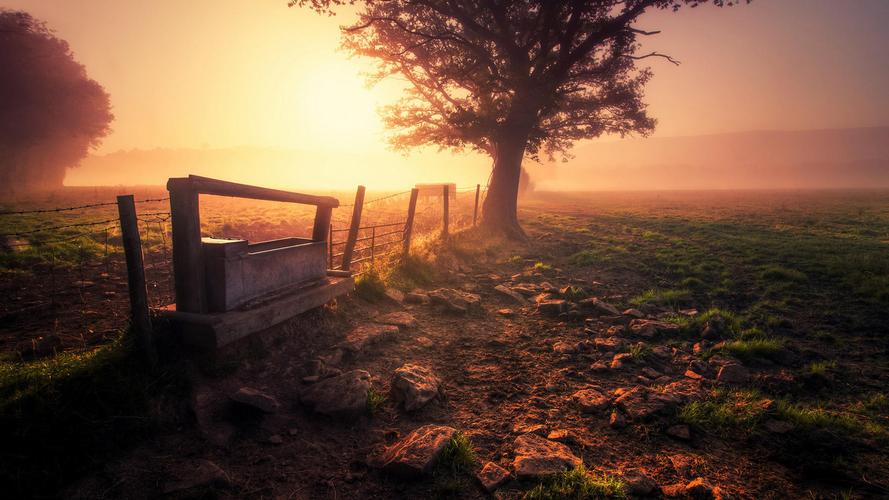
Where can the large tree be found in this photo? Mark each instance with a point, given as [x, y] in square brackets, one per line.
[509, 78]
[51, 112]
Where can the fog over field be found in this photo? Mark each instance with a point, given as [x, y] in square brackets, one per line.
[815, 159]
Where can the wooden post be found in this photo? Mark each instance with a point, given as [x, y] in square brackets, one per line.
[330, 248]
[188, 264]
[409, 223]
[444, 217]
[478, 188]
[353, 228]
[322, 223]
[132, 247]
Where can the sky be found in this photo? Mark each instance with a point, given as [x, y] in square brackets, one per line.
[238, 73]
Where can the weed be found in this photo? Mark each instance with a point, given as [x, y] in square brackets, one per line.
[819, 368]
[585, 258]
[671, 298]
[723, 409]
[755, 349]
[411, 272]
[780, 273]
[458, 455]
[370, 286]
[515, 259]
[574, 293]
[375, 400]
[578, 484]
[818, 418]
[639, 351]
[541, 266]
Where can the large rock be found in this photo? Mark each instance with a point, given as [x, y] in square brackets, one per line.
[417, 453]
[413, 386]
[639, 403]
[509, 293]
[341, 396]
[648, 328]
[552, 307]
[364, 336]
[456, 300]
[400, 319]
[598, 307]
[254, 398]
[590, 400]
[538, 457]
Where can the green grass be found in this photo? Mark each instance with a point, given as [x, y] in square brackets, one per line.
[578, 484]
[694, 325]
[673, 298]
[755, 349]
[375, 401]
[639, 352]
[819, 368]
[541, 266]
[780, 273]
[411, 272]
[725, 409]
[370, 286]
[458, 455]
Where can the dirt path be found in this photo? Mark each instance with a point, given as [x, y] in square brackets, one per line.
[503, 376]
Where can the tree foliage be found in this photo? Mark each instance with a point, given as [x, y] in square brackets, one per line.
[51, 112]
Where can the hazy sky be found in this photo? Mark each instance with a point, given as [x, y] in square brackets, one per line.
[221, 73]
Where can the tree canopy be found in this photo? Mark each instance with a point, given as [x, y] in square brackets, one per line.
[51, 112]
[510, 78]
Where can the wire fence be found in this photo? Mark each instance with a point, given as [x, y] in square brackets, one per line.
[63, 272]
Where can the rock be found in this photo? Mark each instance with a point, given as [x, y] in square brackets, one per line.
[416, 297]
[715, 328]
[492, 476]
[689, 312]
[525, 289]
[699, 489]
[638, 403]
[778, 426]
[203, 473]
[561, 347]
[414, 386]
[417, 453]
[511, 294]
[635, 313]
[425, 341]
[598, 307]
[341, 396]
[506, 312]
[733, 374]
[638, 484]
[615, 331]
[617, 420]
[649, 328]
[456, 300]
[253, 398]
[394, 295]
[682, 464]
[693, 375]
[651, 373]
[552, 307]
[364, 336]
[561, 435]
[276, 439]
[400, 319]
[590, 400]
[679, 432]
[673, 490]
[608, 343]
[538, 457]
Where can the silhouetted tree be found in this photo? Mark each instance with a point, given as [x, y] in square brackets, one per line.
[510, 78]
[51, 112]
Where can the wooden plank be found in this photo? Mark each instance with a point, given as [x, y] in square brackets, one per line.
[188, 264]
[409, 223]
[132, 247]
[206, 185]
[353, 228]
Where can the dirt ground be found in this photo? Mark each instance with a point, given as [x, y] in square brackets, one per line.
[502, 376]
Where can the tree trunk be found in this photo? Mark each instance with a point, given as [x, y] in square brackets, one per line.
[499, 210]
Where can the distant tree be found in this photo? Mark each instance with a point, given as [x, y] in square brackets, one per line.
[509, 78]
[51, 112]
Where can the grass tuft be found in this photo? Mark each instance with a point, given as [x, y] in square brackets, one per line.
[458, 456]
[725, 409]
[671, 298]
[375, 401]
[370, 286]
[755, 349]
[578, 484]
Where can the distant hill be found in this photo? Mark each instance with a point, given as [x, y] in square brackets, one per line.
[839, 158]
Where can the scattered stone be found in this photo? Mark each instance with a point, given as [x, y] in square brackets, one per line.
[524, 428]
[673, 490]
[414, 386]
[688, 312]
[679, 432]
[638, 403]
[682, 464]
[455, 300]
[538, 457]
[698, 489]
[608, 343]
[525, 289]
[638, 484]
[366, 335]
[649, 328]
[509, 293]
[617, 420]
[590, 400]
[492, 476]
[552, 307]
[425, 341]
[693, 375]
[733, 374]
[598, 366]
[778, 426]
[561, 347]
[593, 304]
[616, 330]
[394, 295]
[254, 398]
[341, 396]
[400, 319]
[203, 474]
[416, 297]
[276, 439]
[561, 435]
[651, 373]
[506, 312]
[416, 454]
[636, 313]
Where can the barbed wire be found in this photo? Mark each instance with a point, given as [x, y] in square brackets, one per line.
[51, 228]
[60, 240]
[381, 198]
[79, 207]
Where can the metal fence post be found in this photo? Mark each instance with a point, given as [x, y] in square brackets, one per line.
[353, 229]
[132, 246]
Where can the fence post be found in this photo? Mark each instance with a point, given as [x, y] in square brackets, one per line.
[373, 243]
[444, 220]
[478, 188]
[409, 223]
[188, 264]
[132, 246]
[330, 247]
[353, 228]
